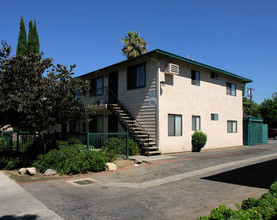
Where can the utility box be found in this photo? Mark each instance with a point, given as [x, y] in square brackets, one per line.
[254, 131]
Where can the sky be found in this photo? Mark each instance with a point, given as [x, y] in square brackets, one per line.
[239, 36]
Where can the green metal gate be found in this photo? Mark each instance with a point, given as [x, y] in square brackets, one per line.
[96, 141]
[18, 141]
[254, 131]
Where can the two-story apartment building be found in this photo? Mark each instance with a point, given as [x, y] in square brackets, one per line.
[162, 98]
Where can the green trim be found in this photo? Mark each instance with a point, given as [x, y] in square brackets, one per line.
[245, 80]
[162, 52]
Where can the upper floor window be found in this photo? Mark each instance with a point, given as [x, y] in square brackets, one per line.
[195, 77]
[231, 89]
[214, 117]
[136, 76]
[214, 75]
[174, 125]
[196, 123]
[96, 86]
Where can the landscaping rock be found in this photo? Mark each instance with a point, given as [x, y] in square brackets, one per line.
[111, 167]
[22, 171]
[50, 172]
[31, 170]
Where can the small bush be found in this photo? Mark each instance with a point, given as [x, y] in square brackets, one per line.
[198, 141]
[221, 212]
[73, 140]
[72, 161]
[14, 160]
[249, 203]
[3, 144]
[262, 208]
[273, 188]
[248, 214]
[118, 146]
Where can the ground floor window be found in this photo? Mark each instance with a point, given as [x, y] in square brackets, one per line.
[232, 126]
[196, 123]
[174, 125]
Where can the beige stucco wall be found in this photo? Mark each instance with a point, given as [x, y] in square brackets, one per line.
[181, 97]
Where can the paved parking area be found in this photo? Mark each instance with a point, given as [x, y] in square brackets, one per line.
[183, 186]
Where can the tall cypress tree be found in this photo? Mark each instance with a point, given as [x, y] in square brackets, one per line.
[22, 39]
[31, 39]
[36, 38]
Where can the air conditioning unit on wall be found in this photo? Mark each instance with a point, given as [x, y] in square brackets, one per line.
[172, 69]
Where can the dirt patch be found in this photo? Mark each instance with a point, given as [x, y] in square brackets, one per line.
[14, 175]
[122, 163]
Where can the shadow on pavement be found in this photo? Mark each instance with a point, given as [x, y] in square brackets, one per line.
[24, 217]
[260, 175]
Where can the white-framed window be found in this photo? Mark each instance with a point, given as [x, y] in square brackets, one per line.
[231, 89]
[174, 125]
[195, 77]
[231, 126]
[214, 117]
[196, 123]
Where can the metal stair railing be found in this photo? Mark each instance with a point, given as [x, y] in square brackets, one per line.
[124, 124]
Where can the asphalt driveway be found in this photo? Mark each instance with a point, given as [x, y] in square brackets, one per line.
[182, 186]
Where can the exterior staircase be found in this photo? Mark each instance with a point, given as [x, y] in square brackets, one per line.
[136, 131]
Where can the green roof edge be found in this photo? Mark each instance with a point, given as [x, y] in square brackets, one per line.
[245, 80]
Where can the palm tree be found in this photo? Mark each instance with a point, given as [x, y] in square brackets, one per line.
[134, 45]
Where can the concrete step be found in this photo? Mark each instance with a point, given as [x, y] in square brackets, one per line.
[150, 143]
[141, 135]
[153, 148]
[150, 153]
[139, 132]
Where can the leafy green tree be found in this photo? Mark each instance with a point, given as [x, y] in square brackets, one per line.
[22, 40]
[27, 97]
[134, 45]
[255, 108]
[268, 110]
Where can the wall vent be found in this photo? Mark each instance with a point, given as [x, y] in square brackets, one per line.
[172, 69]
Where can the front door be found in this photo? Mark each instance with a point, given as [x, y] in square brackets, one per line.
[112, 124]
[113, 87]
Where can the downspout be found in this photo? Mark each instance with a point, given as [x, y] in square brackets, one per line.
[158, 101]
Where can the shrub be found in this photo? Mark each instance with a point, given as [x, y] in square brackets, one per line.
[198, 141]
[262, 208]
[221, 212]
[73, 140]
[273, 188]
[118, 146]
[248, 214]
[249, 203]
[72, 161]
[3, 144]
[14, 160]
